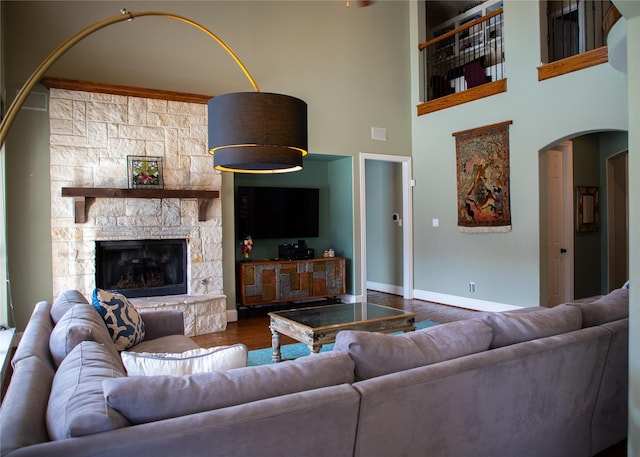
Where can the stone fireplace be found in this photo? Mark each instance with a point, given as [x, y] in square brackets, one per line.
[91, 136]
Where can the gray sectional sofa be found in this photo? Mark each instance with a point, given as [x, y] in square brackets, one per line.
[541, 382]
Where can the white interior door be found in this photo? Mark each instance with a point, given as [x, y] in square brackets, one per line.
[559, 204]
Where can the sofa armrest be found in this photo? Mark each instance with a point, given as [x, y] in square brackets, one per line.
[162, 323]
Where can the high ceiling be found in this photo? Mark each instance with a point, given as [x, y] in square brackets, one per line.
[450, 8]
[441, 10]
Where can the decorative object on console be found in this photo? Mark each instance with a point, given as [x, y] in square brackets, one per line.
[145, 172]
[482, 162]
[257, 132]
[122, 319]
[246, 246]
[295, 251]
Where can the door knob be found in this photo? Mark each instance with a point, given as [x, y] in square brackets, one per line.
[562, 250]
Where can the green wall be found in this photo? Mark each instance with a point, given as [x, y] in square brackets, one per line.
[504, 266]
[631, 11]
[28, 214]
[384, 237]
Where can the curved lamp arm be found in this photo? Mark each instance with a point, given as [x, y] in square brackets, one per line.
[57, 53]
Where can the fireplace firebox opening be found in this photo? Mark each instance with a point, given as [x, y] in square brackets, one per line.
[142, 268]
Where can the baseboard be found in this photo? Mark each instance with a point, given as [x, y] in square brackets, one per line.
[347, 298]
[445, 299]
[462, 302]
[386, 288]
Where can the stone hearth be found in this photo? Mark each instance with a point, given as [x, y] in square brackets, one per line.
[91, 136]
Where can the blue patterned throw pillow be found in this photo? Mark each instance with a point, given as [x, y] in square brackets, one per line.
[123, 320]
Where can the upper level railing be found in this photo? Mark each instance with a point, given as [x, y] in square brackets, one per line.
[574, 27]
[463, 58]
[576, 35]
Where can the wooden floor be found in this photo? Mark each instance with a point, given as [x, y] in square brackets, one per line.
[252, 329]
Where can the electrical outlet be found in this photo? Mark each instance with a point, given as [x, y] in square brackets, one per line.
[472, 286]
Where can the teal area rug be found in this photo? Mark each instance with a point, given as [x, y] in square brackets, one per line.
[293, 351]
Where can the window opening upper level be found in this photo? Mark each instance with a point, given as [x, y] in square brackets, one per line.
[576, 35]
[464, 53]
[573, 27]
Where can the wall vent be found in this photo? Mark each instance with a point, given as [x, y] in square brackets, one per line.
[37, 101]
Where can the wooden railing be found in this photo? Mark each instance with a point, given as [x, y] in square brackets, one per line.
[463, 58]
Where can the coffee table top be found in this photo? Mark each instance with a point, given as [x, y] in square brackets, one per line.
[340, 314]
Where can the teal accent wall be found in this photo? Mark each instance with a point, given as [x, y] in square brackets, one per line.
[587, 252]
[341, 211]
[333, 176]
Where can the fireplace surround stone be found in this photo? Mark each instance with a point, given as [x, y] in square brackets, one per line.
[91, 136]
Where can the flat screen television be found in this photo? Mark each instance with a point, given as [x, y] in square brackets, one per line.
[277, 212]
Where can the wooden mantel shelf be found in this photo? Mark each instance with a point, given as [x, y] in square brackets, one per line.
[80, 194]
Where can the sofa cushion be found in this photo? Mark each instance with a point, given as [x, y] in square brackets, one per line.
[184, 363]
[24, 405]
[123, 321]
[76, 404]
[608, 308]
[152, 398]
[80, 323]
[510, 328]
[376, 354]
[35, 338]
[162, 322]
[64, 302]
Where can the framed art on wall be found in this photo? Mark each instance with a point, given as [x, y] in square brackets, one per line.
[145, 172]
[483, 182]
[587, 215]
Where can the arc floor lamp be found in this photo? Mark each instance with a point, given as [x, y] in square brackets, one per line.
[249, 132]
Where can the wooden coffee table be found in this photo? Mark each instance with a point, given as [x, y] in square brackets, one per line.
[319, 325]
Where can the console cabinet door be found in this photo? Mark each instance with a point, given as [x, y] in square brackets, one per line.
[287, 281]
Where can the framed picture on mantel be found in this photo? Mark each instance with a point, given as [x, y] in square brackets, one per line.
[145, 172]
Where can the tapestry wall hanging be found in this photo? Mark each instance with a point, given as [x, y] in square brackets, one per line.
[482, 165]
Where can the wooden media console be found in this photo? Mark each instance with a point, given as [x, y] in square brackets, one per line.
[262, 282]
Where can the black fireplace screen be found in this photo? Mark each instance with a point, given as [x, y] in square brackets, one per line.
[142, 268]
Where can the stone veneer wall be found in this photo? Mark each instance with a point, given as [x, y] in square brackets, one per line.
[91, 136]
